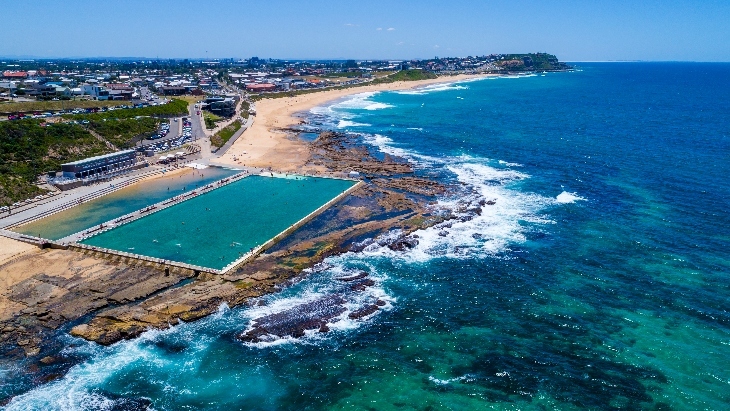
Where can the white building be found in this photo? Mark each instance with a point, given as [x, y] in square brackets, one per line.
[97, 92]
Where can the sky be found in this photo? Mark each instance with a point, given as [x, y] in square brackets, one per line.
[573, 30]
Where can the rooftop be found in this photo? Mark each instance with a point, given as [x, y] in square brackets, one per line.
[114, 154]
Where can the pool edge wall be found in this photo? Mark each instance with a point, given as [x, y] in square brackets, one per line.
[271, 242]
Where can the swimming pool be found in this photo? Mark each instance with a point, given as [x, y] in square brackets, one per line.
[219, 227]
[121, 202]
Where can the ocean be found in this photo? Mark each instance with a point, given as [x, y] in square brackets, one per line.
[597, 278]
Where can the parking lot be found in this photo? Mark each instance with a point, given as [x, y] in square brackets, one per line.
[171, 140]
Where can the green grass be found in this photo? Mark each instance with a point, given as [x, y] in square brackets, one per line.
[222, 137]
[210, 119]
[27, 150]
[125, 133]
[406, 75]
[32, 106]
[540, 61]
[176, 107]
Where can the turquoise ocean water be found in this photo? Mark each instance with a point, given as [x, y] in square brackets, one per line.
[598, 279]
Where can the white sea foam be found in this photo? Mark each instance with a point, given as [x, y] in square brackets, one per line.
[434, 88]
[322, 282]
[76, 390]
[438, 381]
[361, 101]
[338, 113]
[568, 198]
[505, 218]
[386, 145]
[348, 123]
[508, 164]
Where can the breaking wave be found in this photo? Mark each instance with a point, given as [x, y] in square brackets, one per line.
[568, 198]
[434, 88]
[347, 123]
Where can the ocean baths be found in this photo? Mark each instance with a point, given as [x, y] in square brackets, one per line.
[225, 227]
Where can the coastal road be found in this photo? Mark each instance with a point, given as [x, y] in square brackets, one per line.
[199, 135]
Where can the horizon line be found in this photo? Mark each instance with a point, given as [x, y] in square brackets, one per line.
[201, 59]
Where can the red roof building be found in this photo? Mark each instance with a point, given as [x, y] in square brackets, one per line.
[15, 74]
[260, 87]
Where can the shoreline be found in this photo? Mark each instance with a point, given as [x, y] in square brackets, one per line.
[123, 299]
[265, 144]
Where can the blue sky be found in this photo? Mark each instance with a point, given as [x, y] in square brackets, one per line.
[574, 30]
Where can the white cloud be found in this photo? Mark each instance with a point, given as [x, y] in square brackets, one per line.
[391, 29]
[436, 46]
[379, 28]
[352, 25]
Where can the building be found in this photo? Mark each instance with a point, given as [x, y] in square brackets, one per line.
[120, 94]
[173, 90]
[100, 165]
[97, 92]
[15, 75]
[256, 88]
[41, 90]
[225, 107]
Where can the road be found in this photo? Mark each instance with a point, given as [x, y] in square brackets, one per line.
[199, 135]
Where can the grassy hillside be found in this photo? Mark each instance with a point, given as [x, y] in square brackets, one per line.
[531, 61]
[31, 106]
[28, 149]
[406, 75]
[175, 107]
[126, 132]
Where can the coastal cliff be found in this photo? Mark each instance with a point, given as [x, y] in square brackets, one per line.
[531, 62]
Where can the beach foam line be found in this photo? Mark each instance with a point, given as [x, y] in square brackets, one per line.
[435, 88]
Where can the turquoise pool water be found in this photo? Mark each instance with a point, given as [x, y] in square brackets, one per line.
[121, 202]
[217, 228]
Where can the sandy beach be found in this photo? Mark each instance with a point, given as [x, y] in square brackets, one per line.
[263, 146]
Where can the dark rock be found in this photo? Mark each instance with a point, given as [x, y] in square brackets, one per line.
[403, 244]
[362, 285]
[363, 312]
[296, 320]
